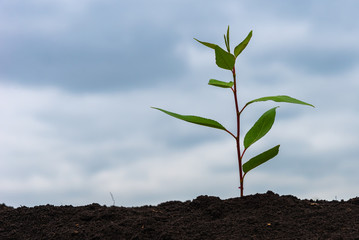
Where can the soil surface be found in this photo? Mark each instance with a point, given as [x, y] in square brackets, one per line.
[260, 216]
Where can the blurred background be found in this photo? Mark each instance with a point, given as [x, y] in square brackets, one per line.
[78, 78]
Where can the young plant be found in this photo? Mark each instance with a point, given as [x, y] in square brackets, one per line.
[227, 60]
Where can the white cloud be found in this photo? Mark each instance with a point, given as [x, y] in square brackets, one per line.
[56, 139]
[39, 16]
[90, 145]
[75, 149]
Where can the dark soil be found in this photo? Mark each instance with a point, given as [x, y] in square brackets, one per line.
[260, 216]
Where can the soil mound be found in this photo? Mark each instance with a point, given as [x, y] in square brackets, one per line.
[259, 216]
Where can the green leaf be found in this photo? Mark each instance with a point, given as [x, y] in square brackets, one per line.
[221, 84]
[224, 59]
[210, 45]
[240, 47]
[226, 40]
[260, 128]
[261, 158]
[195, 119]
[280, 98]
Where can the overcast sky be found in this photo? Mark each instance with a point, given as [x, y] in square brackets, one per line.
[78, 78]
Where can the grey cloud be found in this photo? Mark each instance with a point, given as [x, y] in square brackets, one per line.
[325, 42]
[322, 13]
[95, 53]
[75, 67]
[100, 45]
[312, 61]
[324, 61]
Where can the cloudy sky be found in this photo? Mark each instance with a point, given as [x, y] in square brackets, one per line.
[78, 78]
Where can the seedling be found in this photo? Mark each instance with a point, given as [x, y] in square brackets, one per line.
[227, 60]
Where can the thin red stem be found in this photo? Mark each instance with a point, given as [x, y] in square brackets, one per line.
[243, 153]
[243, 108]
[234, 89]
[230, 133]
